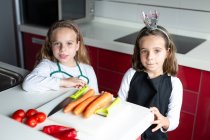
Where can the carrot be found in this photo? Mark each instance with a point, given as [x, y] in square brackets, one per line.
[104, 99]
[81, 107]
[73, 104]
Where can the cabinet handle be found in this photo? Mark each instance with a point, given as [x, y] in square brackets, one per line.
[37, 41]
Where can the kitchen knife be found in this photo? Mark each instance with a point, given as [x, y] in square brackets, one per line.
[67, 100]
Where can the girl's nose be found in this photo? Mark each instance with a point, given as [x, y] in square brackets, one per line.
[62, 47]
[150, 55]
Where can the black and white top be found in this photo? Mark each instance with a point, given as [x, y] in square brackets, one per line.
[172, 90]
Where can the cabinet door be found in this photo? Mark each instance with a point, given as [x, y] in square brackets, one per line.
[31, 46]
[111, 68]
[202, 129]
[184, 130]
[189, 103]
[93, 57]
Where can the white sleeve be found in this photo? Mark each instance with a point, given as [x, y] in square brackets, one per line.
[92, 79]
[39, 79]
[125, 84]
[175, 104]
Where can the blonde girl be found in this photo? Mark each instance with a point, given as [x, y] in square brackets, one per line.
[62, 62]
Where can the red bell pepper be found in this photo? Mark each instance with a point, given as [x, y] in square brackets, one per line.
[54, 128]
[60, 132]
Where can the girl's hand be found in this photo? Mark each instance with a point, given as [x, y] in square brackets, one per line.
[72, 82]
[160, 120]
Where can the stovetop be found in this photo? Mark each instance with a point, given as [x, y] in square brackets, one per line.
[184, 44]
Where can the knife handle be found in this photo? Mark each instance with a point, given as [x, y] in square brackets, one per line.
[80, 92]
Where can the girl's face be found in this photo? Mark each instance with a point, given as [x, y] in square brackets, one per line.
[64, 45]
[153, 54]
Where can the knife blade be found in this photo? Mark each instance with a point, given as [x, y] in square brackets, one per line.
[68, 100]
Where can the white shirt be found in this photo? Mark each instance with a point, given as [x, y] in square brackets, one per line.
[40, 80]
[175, 101]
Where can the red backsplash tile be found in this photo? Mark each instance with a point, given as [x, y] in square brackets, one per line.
[115, 61]
[202, 130]
[93, 57]
[190, 78]
[185, 128]
[109, 79]
[189, 102]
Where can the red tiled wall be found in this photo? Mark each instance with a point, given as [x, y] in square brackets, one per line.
[110, 67]
[184, 131]
[93, 53]
[190, 78]
[114, 61]
[202, 129]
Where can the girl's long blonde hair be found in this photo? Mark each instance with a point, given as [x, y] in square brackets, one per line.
[46, 51]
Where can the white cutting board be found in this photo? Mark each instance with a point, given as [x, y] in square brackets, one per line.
[95, 124]
[126, 121]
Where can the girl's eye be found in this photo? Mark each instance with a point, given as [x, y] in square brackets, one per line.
[157, 51]
[69, 43]
[56, 44]
[143, 52]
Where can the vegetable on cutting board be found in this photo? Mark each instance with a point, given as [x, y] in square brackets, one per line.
[103, 100]
[82, 106]
[73, 104]
[106, 111]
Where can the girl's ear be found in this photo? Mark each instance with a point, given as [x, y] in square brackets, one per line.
[168, 52]
[77, 45]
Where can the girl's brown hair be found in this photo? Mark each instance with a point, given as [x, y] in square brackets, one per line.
[170, 65]
[46, 51]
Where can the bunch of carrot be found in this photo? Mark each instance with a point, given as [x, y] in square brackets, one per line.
[89, 103]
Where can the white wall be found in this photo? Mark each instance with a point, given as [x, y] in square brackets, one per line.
[7, 33]
[187, 15]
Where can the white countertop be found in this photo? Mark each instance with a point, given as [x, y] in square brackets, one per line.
[136, 118]
[102, 32]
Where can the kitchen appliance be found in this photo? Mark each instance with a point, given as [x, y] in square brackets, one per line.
[184, 44]
[45, 12]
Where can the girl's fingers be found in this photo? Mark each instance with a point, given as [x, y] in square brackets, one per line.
[157, 127]
[154, 110]
[159, 119]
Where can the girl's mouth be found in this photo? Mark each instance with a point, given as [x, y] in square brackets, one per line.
[63, 56]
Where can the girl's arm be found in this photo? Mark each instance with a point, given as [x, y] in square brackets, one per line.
[93, 83]
[125, 84]
[39, 79]
[174, 107]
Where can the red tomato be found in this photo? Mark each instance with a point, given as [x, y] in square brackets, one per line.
[17, 118]
[30, 112]
[19, 112]
[40, 117]
[31, 121]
